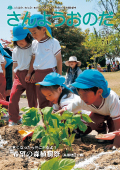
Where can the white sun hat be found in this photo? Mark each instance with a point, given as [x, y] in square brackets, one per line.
[72, 58]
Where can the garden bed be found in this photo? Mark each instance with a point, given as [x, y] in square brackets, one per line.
[16, 154]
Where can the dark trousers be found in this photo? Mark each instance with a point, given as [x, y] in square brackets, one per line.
[39, 76]
[19, 86]
[108, 68]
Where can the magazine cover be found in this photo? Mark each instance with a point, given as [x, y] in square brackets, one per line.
[59, 85]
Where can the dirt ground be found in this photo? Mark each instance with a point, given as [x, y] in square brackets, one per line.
[17, 155]
[26, 155]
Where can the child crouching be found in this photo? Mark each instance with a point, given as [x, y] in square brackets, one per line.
[54, 89]
[104, 104]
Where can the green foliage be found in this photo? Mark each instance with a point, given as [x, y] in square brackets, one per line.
[58, 164]
[45, 140]
[108, 43]
[31, 116]
[55, 131]
[38, 132]
[2, 111]
[79, 169]
[71, 38]
[86, 118]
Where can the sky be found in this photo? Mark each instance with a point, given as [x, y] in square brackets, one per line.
[80, 6]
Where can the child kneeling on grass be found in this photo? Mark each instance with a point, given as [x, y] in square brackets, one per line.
[103, 103]
[54, 89]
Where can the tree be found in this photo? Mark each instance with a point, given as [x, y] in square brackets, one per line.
[70, 37]
[98, 47]
[111, 6]
[111, 35]
[5, 43]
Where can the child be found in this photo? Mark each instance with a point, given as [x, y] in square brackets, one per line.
[22, 56]
[99, 68]
[73, 72]
[47, 52]
[8, 69]
[95, 96]
[2, 78]
[54, 89]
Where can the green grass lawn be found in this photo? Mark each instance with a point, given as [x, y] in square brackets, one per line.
[113, 79]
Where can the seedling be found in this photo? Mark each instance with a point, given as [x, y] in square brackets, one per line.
[3, 111]
[55, 132]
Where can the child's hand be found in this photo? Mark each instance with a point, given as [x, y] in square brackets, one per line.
[109, 146]
[32, 80]
[27, 78]
[60, 111]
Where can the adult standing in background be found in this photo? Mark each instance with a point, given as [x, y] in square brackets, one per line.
[73, 72]
[108, 65]
[117, 62]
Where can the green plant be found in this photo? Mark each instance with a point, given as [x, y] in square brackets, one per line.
[3, 111]
[32, 116]
[57, 164]
[79, 169]
[55, 132]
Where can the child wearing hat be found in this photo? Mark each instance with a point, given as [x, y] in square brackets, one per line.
[73, 72]
[54, 90]
[8, 70]
[2, 78]
[47, 52]
[22, 57]
[95, 96]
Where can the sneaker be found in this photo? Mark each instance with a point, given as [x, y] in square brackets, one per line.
[19, 121]
[11, 123]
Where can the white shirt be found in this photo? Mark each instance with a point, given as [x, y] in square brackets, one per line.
[45, 53]
[110, 106]
[22, 56]
[65, 101]
[107, 62]
[2, 60]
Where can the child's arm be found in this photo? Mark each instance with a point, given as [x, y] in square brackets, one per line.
[59, 63]
[117, 127]
[72, 104]
[116, 142]
[60, 111]
[27, 78]
[114, 105]
[14, 66]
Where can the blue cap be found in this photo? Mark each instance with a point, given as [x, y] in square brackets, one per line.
[38, 20]
[92, 78]
[19, 33]
[52, 79]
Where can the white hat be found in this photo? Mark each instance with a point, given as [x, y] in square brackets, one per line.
[72, 58]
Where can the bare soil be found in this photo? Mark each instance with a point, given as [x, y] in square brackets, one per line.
[12, 157]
